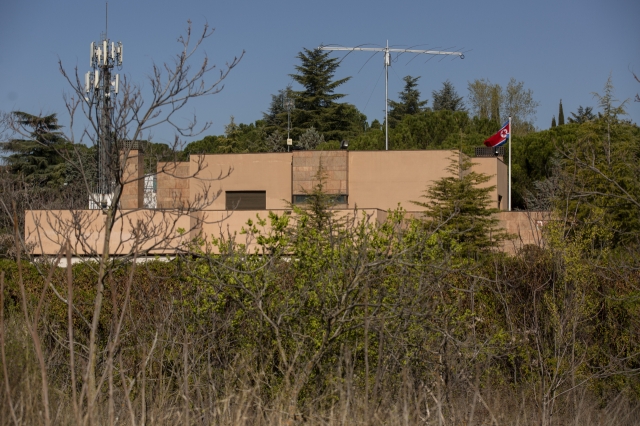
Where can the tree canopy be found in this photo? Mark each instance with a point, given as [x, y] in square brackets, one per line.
[447, 98]
[409, 103]
[38, 159]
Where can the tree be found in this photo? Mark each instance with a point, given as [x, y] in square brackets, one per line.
[316, 106]
[310, 139]
[276, 116]
[315, 74]
[486, 99]
[560, 115]
[520, 105]
[38, 158]
[553, 122]
[495, 103]
[583, 115]
[458, 210]
[134, 116]
[409, 104]
[447, 98]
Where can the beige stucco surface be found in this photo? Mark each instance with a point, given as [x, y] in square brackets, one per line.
[270, 172]
[382, 179]
[374, 181]
[47, 231]
[495, 169]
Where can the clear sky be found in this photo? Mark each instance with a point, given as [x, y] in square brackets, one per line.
[562, 49]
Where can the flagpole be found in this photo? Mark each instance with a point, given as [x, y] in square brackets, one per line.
[510, 130]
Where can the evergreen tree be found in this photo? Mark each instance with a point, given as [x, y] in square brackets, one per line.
[315, 74]
[447, 98]
[583, 115]
[459, 211]
[316, 105]
[39, 158]
[310, 139]
[560, 114]
[276, 116]
[409, 104]
[553, 121]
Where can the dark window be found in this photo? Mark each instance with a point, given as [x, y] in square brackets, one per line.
[246, 200]
[335, 199]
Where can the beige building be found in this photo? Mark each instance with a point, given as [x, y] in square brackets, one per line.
[214, 194]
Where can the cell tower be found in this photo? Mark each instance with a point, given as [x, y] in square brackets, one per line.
[101, 87]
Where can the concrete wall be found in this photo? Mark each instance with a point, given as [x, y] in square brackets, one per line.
[270, 172]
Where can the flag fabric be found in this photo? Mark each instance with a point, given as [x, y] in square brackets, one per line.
[499, 138]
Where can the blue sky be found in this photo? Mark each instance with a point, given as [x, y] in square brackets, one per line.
[563, 49]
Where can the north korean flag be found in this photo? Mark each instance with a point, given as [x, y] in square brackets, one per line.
[499, 138]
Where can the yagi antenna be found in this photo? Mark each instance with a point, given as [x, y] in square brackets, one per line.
[387, 61]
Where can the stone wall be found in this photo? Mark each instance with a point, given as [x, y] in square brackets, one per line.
[307, 164]
[173, 185]
[132, 196]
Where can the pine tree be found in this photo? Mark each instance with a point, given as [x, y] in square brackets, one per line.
[447, 98]
[410, 103]
[553, 122]
[560, 115]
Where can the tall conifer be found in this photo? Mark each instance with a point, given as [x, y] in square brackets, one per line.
[560, 115]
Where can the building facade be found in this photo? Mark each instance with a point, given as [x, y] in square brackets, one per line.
[212, 195]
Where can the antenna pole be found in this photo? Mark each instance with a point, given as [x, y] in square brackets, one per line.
[106, 20]
[510, 130]
[386, 97]
[387, 61]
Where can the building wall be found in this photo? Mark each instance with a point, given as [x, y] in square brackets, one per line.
[497, 172]
[270, 172]
[47, 231]
[306, 165]
[173, 185]
[382, 179]
[133, 180]
[371, 179]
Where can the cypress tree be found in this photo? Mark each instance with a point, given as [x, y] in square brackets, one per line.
[560, 115]
[553, 122]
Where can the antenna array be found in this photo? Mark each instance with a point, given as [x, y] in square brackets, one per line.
[387, 61]
[100, 87]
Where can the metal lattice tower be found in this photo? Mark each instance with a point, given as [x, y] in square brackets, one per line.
[101, 87]
[387, 61]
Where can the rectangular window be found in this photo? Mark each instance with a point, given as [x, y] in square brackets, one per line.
[246, 200]
[335, 198]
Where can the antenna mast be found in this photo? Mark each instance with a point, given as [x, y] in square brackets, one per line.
[100, 87]
[387, 61]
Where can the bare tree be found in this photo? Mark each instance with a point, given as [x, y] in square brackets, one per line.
[134, 115]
